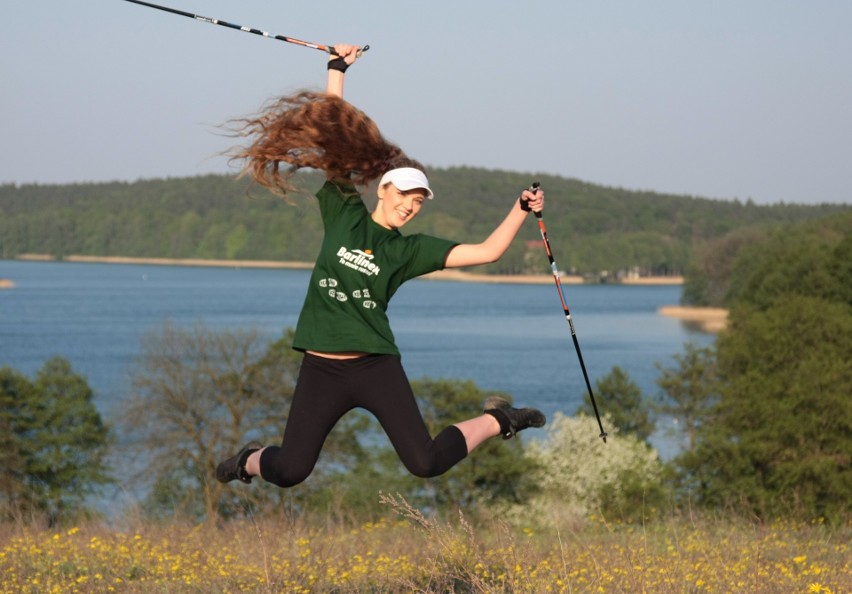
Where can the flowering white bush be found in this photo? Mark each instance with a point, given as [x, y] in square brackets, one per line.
[578, 473]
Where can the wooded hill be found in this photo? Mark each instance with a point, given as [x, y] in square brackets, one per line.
[591, 228]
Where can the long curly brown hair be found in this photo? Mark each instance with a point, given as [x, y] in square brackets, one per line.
[317, 131]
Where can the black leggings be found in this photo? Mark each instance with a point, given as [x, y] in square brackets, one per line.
[329, 388]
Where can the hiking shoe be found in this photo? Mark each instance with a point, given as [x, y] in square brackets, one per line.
[234, 468]
[513, 419]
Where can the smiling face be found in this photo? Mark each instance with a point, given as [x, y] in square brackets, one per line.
[396, 207]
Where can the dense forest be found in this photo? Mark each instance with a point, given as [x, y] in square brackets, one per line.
[594, 229]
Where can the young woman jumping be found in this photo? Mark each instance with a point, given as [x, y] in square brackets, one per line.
[350, 358]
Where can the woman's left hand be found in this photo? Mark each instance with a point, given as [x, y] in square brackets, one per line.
[534, 200]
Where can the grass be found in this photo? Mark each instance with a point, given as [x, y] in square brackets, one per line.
[409, 552]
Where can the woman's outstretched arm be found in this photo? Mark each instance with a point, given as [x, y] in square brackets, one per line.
[490, 250]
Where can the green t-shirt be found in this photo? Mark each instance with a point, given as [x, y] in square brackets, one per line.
[359, 268]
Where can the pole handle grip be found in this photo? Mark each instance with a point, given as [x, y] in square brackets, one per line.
[525, 204]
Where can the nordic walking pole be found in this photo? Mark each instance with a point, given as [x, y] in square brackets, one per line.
[204, 19]
[558, 282]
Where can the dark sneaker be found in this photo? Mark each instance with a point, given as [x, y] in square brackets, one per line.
[234, 468]
[513, 419]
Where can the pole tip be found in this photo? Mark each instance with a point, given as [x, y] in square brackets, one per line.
[603, 436]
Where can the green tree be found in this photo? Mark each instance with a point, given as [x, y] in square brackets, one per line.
[236, 242]
[59, 441]
[624, 403]
[690, 390]
[708, 275]
[15, 390]
[780, 438]
[840, 268]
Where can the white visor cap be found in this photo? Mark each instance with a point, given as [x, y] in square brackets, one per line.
[407, 178]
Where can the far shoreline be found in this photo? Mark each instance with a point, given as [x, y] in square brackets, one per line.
[445, 275]
[78, 259]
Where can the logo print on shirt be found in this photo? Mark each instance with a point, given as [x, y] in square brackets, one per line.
[364, 294]
[360, 260]
[330, 284]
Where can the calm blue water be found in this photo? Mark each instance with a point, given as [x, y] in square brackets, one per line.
[511, 338]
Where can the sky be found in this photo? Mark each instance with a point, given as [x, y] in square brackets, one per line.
[730, 99]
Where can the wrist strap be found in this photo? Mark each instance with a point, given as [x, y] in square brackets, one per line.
[338, 64]
[525, 204]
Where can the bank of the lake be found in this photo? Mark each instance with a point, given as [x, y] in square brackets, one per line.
[709, 319]
[448, 274]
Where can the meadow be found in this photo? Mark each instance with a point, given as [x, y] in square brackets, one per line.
[406, 551]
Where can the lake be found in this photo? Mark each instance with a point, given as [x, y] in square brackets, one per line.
[505, 337]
